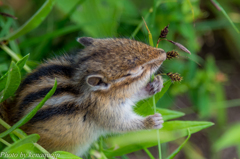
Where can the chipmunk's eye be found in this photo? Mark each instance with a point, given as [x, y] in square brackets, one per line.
[129, 74]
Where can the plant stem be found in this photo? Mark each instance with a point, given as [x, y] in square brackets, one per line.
[157, 3]
[10, 52]
[219, 7]
[21, 136]
[149, 153]
[4, 124]
[5, 142]
[14, 56]
[158, 137]
[155, 110]
[101, 144]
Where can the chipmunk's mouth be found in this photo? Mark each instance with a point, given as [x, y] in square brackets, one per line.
[155, 68]
[159, 71]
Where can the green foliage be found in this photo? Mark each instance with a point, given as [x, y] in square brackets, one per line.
[12, 82]
[180, 147]
[226, 15]
[145, 107]
[20, 64]
[29, 116]
[33, 22]
[229, 138]
[107, 18]
[63, 155]
[130, 142]
[166, 113]
[14, 148]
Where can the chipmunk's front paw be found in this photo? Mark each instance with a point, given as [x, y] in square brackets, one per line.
[155, 86]
[153, 121]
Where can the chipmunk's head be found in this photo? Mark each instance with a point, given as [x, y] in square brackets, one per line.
[118, 62]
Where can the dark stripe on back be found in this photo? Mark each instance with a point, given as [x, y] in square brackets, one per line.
[43, 92]
[64, 109]
[49, 71]
[86, 58]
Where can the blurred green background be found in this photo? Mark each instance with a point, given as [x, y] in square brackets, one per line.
[210, 89]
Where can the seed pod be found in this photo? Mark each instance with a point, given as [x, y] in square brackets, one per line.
[180, 46]
[175, 77]
[172, 54]
[164, 32]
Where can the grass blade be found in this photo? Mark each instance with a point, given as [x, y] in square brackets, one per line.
[33, 22]
[148, 153]
[139, 25]
[225, 14]
[27, 117]
[180, 147]
[29, 139]
[149, 33]
[5, 142]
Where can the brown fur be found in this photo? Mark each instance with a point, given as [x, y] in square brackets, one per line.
[118, 71]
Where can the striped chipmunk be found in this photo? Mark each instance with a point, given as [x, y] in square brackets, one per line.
[95, 95]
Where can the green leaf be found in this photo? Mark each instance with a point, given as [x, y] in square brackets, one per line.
[145, 107]
[20, 64]
[13, 137]
[230, 138]
[26, 151]
[27, 117]
[64, 155]
[20, 132]
[12, 83]
[169, 114]
[134, 141]
[33, 22]
[180, 147]
[166, 113]
[33, 138]
[3, 81]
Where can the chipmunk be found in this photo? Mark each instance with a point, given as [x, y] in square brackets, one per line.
[95, 95]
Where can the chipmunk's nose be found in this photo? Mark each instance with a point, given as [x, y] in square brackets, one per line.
[162, 54]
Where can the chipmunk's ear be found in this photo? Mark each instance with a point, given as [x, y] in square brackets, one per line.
[96, 82]
[85, 41]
